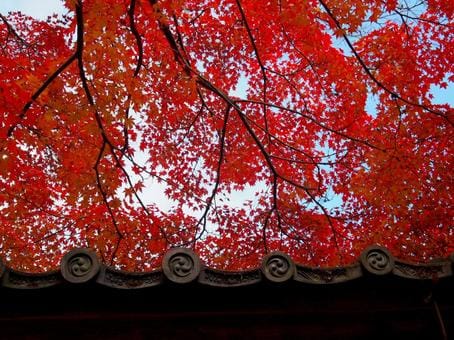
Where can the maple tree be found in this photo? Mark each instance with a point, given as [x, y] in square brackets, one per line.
[215, 97]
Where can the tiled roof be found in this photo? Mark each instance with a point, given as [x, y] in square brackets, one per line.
[182, 266]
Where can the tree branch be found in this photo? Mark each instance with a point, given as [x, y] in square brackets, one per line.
[373, 78]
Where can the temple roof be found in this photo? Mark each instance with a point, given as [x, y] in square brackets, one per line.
[183, 266]
[377, 297]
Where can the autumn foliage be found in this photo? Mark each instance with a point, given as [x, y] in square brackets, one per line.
[322, 108]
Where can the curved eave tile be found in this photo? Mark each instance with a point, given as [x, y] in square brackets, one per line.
[222, 278]
[327, 275]
[182, 266]
[120, 279]
[23, 280]
[426, 271]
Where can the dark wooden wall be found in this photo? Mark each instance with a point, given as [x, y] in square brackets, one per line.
[371, 307]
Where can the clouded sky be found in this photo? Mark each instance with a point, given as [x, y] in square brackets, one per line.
[38, 9]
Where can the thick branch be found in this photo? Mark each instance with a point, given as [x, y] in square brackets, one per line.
[137, 36]
[79, 53]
